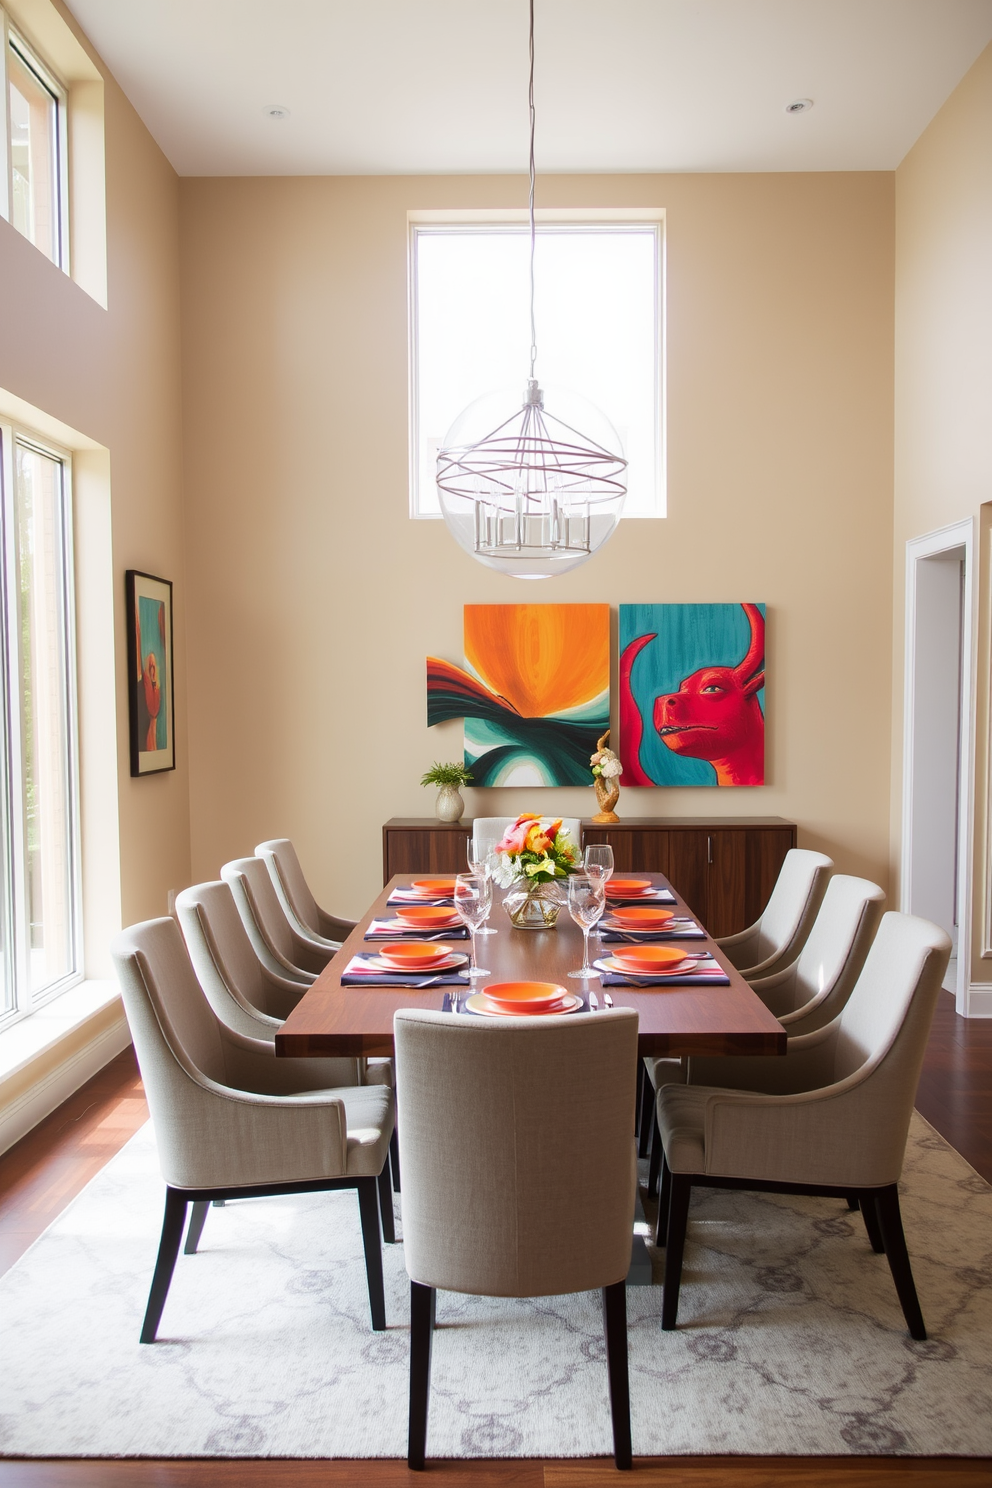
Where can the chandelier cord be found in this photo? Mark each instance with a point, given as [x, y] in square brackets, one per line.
[533, 231]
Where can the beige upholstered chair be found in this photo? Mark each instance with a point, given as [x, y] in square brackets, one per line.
[301, 909]
[517, 1145]
[241, 991]
[231, 1120]
[807, 994]
[830, 1118]
[277, 945]
[495, 826]
[775, 940]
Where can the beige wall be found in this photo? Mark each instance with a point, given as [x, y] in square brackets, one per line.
[313, 599]
[112, 375]
[943, 379]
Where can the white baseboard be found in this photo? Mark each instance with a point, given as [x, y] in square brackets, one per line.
[41, 1085]
[979, 1000]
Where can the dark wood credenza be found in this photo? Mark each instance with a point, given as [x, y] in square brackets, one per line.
[725, 867]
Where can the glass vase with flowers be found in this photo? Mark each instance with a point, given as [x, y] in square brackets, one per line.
[533, 860]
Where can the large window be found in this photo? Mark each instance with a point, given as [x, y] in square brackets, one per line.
[39, 900]
[36, 150]
[599, 307]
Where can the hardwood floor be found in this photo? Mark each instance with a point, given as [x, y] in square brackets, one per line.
[40, 1176]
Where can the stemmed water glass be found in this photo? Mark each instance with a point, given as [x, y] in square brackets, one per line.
[480, 853]
[586, 902]
[598, 860]
[473, 901]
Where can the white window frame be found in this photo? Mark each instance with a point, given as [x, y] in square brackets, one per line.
[420, 222]
[13, 894]
[36, 63]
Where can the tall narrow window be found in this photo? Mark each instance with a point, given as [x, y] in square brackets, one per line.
[36, 150]
[39, 828]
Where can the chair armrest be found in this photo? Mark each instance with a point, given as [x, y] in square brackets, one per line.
[251, 1066]
[777, 991]
[734, 945]
[808, 1065]
[810, 1137]
[334, 927]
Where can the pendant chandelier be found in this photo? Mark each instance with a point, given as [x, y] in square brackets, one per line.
[526, 490]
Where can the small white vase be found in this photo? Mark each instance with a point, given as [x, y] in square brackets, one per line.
[449, 806]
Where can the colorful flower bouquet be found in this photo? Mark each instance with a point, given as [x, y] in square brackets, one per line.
[534, 855]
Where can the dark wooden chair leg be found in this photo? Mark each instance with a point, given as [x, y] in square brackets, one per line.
[664, 1202]
[853, 1202]
[394, 1160]
[168, 1250]
[894, 1240]
[615, 1327]
[386, 1205]
[368, 1205]
[657, 1153]
[647, 1119]
[197, 1220]
[869, 1214]
[422, 1312]
[678, 1217]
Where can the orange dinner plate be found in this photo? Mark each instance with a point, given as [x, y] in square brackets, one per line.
[415, 955]
[427, 916]
[641, 917]
[524, 997]
[626, 888]
[433, 888]
[649, 958]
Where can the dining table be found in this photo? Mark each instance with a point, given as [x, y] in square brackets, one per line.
[725, 1017]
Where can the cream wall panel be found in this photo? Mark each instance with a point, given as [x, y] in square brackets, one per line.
[943, 394]
[313, 599]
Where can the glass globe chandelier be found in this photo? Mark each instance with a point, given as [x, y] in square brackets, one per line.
[525, 490]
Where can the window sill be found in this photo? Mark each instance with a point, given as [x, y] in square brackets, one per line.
[47, 1056]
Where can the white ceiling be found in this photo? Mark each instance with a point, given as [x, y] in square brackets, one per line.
[400, 86]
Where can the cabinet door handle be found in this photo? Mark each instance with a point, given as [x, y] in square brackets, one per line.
[709, 849]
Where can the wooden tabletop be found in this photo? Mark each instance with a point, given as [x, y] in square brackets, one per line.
[335, 1020]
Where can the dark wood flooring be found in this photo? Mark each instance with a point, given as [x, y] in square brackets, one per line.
[42, 1173]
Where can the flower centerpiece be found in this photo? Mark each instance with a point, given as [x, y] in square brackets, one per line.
[533, 858]
[448, 777]
[606, 771]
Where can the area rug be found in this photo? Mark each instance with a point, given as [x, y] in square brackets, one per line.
[791, 1340]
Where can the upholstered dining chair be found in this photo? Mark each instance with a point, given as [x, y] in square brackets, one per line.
[803, 997]
[301, 909]
[231, 1120]
[830, 1118]
[777, 937]
[517, 1145]
[277, 945]
[484, 827]
[242, 992]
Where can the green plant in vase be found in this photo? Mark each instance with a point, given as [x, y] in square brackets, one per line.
[448, 777]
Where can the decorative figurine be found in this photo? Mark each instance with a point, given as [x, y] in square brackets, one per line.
[606, 769]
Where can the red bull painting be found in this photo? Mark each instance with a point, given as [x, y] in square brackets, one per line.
[692, 694]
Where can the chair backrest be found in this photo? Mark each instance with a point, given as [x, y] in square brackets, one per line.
[890, 1009]
[279, 857]
[175, 1034]
[495, 826]
[842, 933]
[789, 914]
[225, 964]
[517, 1151]
[266, 925]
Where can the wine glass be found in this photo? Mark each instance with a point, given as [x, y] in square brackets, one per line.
[586, 902]
[479, 852]
[598, 860]
[473, 901]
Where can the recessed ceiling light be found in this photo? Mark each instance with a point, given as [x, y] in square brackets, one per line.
[276, 111]
[799, 106]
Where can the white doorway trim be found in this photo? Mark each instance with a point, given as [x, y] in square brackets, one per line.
[960, 535]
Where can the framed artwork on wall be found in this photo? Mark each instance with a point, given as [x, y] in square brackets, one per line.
[534, 692]
[150, 686]
[692, 694]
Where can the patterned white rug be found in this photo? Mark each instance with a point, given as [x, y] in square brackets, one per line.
[792, 1340]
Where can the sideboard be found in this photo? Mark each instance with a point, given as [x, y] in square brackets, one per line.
[725, 867]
